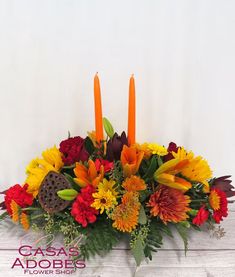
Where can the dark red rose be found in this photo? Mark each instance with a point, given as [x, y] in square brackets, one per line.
[73, 150]
[115, 145]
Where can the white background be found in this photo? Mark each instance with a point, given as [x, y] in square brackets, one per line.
[181, 52]
[183, 56]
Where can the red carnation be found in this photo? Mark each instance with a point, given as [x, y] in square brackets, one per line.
[20, 195]
[201, 217]
[107, 165]
[81, 208]
[73, 150]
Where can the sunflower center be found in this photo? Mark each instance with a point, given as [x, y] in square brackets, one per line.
[103, 201]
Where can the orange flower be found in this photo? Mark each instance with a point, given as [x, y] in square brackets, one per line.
[165, 174]
[219, 204]
[171, 205]
[15, 208]
[126, 214]
[24, 220]
[134, 183]
[88, 175]
[131, 159]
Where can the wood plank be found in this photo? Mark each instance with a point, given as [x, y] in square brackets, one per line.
[11, 235]
[165, 263]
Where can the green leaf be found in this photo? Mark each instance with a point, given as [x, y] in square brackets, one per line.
[142, 216]
[3, 215]
[108, 127]
[137, 251]
[90, 148]
[71, 181]
[159, 161]
[183, 232]
[151, 169]
[67, 194]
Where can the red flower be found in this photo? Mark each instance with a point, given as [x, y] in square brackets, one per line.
[171, 148]
[201, 217]
[73, 150]
[81, 208]
[107, 165]
[20, 195]
[219, 203]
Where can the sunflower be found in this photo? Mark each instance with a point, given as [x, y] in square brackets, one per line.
[39, 168]
[15, 208]
[197, 170]
[24, 220]
[104, 200]
[219, 204]
[125, 215]
[134, 183]
[171, 205]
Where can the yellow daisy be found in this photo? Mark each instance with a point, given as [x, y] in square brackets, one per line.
[108, 185]
[151, 149]
[104, 200]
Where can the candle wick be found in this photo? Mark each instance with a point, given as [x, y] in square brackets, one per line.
[132, 75]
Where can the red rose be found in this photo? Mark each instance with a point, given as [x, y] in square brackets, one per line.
[73, 150]
[20, 195]
[201, 217]
[82, 211]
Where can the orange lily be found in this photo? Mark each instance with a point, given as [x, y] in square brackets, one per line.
[131, 159]
[88, 175]
[165, 174]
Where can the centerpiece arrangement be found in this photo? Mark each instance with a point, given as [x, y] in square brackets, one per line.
[104, 188]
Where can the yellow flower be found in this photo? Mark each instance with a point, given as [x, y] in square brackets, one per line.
[197, 170]
[134, 183]
[108, 185]
[165, 174]
[151, 149]
[24, 220]
[104, 200]
[15, 208]
[125, 215]
[39, 168]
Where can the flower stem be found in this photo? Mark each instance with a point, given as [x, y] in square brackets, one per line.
[37, 216]
[31, 209]
[199, 200]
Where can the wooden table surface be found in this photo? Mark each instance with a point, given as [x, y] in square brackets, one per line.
[208, 256]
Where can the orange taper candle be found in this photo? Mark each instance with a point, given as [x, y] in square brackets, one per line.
[131, 112]
[98, 110]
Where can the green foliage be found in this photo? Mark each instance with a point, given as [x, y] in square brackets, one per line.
[142, 216]
[108, 127]
[116, 173]
[3, 216]
[71, 181]
[98, 239]
[183, 232]
[90, 148]
[151, 168]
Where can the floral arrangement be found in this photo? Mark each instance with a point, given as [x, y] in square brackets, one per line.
[107, 188]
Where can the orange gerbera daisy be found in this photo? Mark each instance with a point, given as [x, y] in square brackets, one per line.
[24, 220]
[171, 205]
[134, 183]
[88, 175]
[15, 208]
[131, 159]
[126, 214]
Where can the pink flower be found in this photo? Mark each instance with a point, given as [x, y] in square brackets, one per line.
[107, 165]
